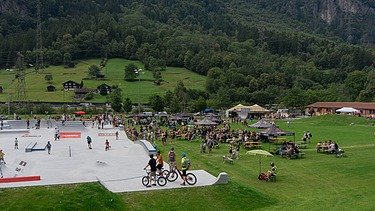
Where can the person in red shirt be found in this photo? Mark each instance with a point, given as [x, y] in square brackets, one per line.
[159, 162]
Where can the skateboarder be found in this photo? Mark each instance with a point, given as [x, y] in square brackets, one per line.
[16, 143]
[116, 135]
[107, 146]
[49, 147]
[89, 142]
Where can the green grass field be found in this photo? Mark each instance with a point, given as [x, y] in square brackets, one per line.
[114, 72]
[317, 182]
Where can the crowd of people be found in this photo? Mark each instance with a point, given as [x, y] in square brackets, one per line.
[288, 149]
[327, 146]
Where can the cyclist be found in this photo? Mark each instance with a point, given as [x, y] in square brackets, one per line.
[185, 164]
[172, 159]
[152, 164]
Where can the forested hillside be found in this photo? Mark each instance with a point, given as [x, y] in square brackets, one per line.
[290, 52]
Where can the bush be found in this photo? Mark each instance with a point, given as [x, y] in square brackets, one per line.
[89, 96]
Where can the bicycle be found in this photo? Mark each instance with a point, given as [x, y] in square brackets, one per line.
[172, 176]
[160, 179]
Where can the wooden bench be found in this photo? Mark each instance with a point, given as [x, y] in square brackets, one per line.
[252, 145]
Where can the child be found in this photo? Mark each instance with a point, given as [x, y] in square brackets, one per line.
[16, 143]
[49, 147]
[107, 146]
[2, 156]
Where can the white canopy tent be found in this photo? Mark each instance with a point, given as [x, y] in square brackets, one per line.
[347, 110]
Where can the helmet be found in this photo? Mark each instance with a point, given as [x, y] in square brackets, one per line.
[184, 154]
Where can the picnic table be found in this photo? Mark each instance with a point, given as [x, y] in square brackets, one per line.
[253, 145]
[277, 140]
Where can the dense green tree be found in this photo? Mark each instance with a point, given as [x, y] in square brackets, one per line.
[156, 103]
[94, 71]
[115, 100]
[127, 105]
[355, 82]
[48, 78]
[131, 72]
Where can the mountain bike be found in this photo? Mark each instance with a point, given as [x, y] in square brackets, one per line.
[172, 176]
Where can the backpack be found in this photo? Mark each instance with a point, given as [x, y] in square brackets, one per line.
[187, 163]
[172, 156]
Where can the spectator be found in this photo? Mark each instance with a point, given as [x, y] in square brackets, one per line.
[15, 143]
[2, 154]
[49, 147]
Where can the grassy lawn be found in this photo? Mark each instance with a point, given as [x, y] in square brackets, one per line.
[114, 71]
[317, 182]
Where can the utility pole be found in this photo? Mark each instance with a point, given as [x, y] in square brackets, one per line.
[39, 63]
[20, 78]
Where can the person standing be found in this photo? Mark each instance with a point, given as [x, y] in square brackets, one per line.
[57, 134]
[159, 162]
[49, 147]
[15, 143]
[152, 164]
[28, 123]
[1, 125]
[172, 159]
[89, 141]
[2, 154]
[309, 135]
[116, 135]
[185, 164]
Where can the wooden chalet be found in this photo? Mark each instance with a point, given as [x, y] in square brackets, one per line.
[71, 85]
[104, 89]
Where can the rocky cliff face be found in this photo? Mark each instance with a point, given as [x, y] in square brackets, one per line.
[330, 8]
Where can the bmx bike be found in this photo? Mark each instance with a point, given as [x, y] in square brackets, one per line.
[160, 179]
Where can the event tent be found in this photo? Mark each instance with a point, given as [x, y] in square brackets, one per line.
[261, 124]
[274, 131]
[206, 122]
[258, 109]
[347, 110]
[243, 111]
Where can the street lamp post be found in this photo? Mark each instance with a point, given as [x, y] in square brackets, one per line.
[138, 71]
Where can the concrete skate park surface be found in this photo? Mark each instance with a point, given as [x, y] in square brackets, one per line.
[119, 169]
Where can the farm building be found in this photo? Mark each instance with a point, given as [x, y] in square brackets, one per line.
[71, 85]
[321, 108]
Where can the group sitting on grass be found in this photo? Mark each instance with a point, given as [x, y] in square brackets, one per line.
[270, 175]
[327, 146]
[288, 149]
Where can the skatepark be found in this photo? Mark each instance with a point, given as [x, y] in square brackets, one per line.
[119, 169]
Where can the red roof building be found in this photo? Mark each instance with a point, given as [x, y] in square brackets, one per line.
[321, 108]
